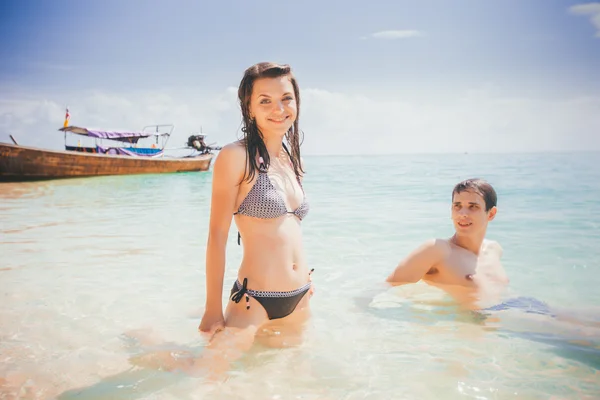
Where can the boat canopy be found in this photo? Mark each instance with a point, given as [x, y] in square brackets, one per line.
[122, 136]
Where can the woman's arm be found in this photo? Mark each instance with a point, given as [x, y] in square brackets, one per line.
[228, 172]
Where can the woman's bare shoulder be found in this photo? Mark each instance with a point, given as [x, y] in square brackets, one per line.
[234, 152]
[230, 163]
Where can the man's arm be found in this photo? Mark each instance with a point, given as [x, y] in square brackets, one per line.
[419, 262]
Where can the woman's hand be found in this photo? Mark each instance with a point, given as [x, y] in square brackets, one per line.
[212, 322]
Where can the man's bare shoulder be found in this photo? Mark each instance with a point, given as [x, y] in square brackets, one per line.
[420, 262]
[492, 247]
[440, 247]
[492, 252]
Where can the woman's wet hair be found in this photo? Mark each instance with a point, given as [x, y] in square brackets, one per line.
[253, 138]
[481, 187]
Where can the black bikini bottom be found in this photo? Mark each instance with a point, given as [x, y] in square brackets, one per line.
[276, 304]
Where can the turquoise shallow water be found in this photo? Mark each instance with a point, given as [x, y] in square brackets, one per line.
[85, 262]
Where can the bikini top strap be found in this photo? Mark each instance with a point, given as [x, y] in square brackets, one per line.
[261, 164]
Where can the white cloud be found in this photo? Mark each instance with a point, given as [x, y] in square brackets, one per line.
[591, 9]
[479, 120]
[402, 34]
[34, 118]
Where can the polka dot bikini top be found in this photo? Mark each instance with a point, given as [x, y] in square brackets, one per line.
[264, 201]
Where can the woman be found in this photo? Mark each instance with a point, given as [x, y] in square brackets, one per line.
[257, 181]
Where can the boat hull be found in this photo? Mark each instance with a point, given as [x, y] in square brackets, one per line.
[21, 163]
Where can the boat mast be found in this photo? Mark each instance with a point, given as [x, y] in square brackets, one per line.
[66, 123]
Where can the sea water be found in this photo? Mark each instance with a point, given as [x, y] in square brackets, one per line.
[90, 266]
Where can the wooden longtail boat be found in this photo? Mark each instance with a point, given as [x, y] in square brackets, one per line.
[121, 157]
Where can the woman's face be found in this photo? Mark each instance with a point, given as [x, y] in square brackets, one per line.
[273, 105]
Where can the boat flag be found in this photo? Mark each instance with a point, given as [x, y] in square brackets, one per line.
[67, 118]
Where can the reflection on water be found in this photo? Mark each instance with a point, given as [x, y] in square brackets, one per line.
[24, 190]
[102, 284]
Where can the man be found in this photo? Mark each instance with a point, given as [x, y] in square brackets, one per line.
[466, 265]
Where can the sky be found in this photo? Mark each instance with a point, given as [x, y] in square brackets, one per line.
[376, 77]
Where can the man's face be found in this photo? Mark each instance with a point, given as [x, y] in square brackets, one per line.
[468, 213]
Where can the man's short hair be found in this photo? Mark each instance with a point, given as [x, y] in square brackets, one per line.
[480, 187]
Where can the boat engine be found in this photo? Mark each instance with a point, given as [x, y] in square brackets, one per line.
[197, 142]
